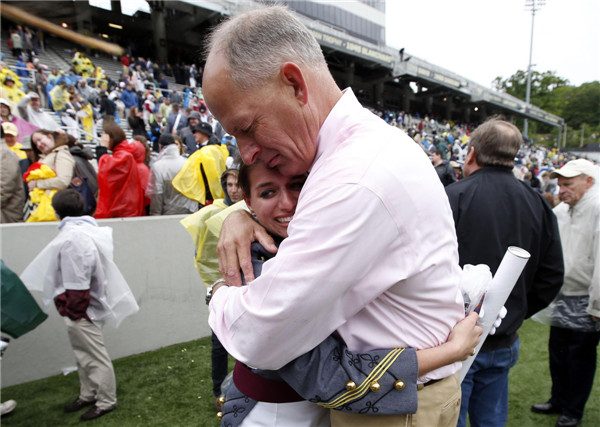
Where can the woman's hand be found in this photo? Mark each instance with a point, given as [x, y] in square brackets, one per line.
[31, 185]
[237, 234]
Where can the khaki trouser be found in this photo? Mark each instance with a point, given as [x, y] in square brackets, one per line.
[96, 374]
[439, 406]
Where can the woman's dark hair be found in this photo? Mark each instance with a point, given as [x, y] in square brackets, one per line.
[244, 178]
[133, 112]
[144, 142]
[72, 141]
[68, 202]
[180, 144]
[59, 139]
[115, 133]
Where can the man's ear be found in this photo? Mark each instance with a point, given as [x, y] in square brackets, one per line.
[292, 76]
[470, 159]
[589, 181]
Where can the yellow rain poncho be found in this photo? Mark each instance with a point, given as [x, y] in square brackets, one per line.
[205, 243]
[190, 182]
[205, 226]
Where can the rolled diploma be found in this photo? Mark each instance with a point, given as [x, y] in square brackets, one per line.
[502, 284]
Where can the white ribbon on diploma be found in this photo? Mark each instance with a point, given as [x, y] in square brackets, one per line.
[500, 288]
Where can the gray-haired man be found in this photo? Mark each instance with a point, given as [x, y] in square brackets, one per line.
[371, 252]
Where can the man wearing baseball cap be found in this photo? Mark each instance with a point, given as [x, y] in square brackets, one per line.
[575, 330]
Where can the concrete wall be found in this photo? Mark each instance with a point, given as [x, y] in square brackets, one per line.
[155, 254]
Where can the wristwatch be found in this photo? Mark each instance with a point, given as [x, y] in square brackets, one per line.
[209, 290]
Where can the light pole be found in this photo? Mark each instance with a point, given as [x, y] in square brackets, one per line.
[533, 5]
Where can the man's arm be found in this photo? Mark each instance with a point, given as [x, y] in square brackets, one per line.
[594, 305]
[310, 289]
[22, 107]
[549, 275]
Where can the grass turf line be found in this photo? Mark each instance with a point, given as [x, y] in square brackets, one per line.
[172, 386]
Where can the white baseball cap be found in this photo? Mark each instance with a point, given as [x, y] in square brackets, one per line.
[575, 168]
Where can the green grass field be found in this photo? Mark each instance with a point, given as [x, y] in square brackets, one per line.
[172, 387]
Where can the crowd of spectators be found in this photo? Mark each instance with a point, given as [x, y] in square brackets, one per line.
[88, 102]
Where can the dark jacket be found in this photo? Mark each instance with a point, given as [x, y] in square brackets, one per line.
[492, 211]
[82, 157]
[446, 173]
[107, 107]
[138, 127]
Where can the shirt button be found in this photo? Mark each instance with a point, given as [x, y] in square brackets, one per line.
[399, 385]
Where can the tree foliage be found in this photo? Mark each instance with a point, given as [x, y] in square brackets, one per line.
[578, 105]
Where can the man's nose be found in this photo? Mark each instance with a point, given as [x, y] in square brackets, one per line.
[249, 151]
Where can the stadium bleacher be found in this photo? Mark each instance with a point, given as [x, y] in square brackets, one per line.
[58, 55]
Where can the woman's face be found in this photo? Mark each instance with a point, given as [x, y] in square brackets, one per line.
[104, 139]
[44, 143]
[233, 189]
[273, 197]
[4, 110]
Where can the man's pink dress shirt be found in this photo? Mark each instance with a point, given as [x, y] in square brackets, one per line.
[371, 253]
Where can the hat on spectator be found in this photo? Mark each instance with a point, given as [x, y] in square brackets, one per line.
[5, 102]
[195, 115]
[205, 128]
[10, 129]
[8, 78]
[26, 143]
[33, 95]
[166, 139]
[575, 168]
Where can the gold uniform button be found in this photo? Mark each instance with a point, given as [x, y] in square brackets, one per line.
[399, 385]
[222, 400]
[219, 415]
[350, 386]
[375, 386]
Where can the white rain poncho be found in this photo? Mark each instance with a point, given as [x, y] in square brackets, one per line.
[111, 300]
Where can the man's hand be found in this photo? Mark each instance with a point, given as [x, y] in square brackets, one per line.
[465, 336]
[237, 234]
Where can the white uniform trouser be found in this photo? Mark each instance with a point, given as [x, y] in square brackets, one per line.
[294, 414]
[96, 374]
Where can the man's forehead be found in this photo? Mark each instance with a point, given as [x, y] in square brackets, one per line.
[572, 179]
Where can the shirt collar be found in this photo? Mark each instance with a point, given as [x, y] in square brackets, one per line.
[77, 220]
[590, 197]
[335, 126]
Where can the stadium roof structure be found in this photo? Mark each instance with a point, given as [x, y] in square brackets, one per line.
[381, 76]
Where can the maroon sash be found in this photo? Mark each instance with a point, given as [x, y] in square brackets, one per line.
[263, 389]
